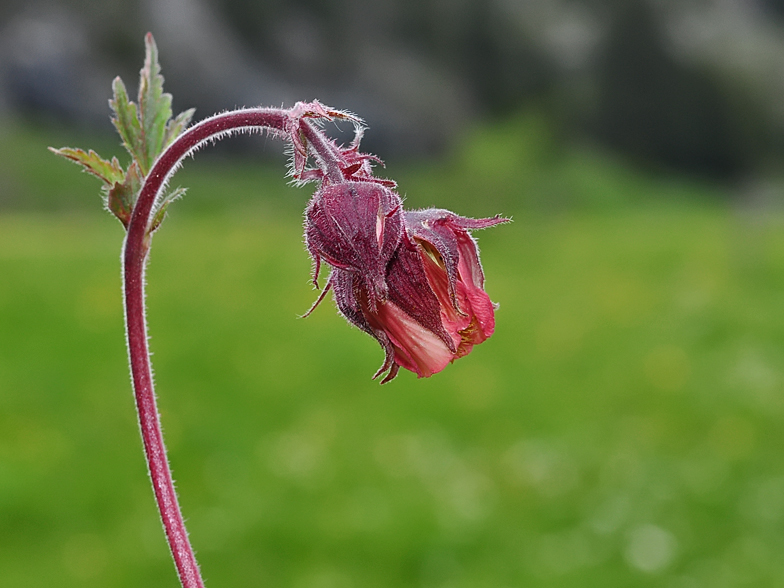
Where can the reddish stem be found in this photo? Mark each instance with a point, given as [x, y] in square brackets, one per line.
[328, 156]
[135, 251]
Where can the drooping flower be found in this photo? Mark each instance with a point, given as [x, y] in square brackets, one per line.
[450, 257]
[412, 280]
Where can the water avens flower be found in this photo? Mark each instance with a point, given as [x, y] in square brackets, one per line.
[411, 279]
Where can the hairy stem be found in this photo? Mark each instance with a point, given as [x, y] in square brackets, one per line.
[325, 152]
[135, 251]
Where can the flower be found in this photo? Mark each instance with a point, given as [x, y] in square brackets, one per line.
[410, 279]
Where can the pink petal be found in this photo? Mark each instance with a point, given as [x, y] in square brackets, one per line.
[417, 349]
[469, 267]
[453, 320]
[472, 278]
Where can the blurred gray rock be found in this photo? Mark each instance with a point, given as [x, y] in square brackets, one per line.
[419, 70]
[50, 63]
[46, 65]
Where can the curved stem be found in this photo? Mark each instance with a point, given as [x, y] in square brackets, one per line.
[328, 156]
[135, 250]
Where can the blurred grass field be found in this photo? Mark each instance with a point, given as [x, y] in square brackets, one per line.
[623, 427]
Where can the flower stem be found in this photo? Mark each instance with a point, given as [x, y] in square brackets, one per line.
[135, 250]
[326, 153]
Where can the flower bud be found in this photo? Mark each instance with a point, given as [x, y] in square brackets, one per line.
[412, 280]
[356, 227]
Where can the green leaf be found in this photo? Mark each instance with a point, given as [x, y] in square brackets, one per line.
[108, 171]
[121, 197]
[126, 121]
[160, 211]
[154, 105]
[177, 125]
[146, 129]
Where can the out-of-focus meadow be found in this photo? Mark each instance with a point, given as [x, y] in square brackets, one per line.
[623, 427]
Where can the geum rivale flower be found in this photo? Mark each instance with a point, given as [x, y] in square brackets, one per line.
[411, 279]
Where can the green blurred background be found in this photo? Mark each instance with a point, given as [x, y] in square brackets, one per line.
[623, 427]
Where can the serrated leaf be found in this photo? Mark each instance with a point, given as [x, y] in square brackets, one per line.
[160, 211]
[126, 121]
[121, 197]
[146, 129]
[177, 125]
[108, 171]
[154, 105]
